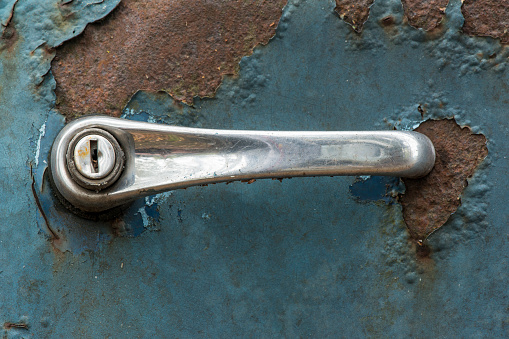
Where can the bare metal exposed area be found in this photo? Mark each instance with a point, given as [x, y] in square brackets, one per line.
[482, 18]
[355, 13]
[181, 47]
[486, 18]
[429, 201]
[425, 14]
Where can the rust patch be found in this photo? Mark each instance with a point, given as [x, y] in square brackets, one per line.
[428, 202]
[181, 47]
[354, 12]
[249, 181]
[486, 18]
[425, 14]
[388, 21]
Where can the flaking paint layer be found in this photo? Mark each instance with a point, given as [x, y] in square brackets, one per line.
[182, 47]
[355, 13]
[481, 18]
[429, 202]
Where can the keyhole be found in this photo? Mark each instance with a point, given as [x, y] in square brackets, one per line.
[94, 156]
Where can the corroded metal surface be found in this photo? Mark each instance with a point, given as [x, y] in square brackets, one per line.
[182, 47]
[272, 259]
[429, 202]
[355, 13]
[486, 18]
[425, 14]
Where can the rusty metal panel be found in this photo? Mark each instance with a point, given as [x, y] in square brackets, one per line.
[184, 48]
[320, 257]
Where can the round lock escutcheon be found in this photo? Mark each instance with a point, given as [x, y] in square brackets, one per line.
[95, 159]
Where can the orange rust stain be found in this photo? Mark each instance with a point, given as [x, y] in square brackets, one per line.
[83, 152]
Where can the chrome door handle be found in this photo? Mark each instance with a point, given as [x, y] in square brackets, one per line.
[98, 162]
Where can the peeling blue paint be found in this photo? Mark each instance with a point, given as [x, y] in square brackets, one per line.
[376, 188]
[160, 108]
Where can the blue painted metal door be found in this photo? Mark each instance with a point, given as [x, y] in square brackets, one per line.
[302, 257]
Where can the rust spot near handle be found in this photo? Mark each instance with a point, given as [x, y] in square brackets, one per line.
[425, 14]
[354, 12]
[429, 202]
[486, 18]
[182, 47]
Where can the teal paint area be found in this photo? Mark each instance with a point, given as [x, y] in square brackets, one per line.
[305, 257]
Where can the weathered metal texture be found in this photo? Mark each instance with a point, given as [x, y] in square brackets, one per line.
[486, 18]
[354, 12]
[429, 202]
[272, 259]
[482, 18]
[182, 47]
[425, 14]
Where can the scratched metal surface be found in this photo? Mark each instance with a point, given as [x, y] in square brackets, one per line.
[323, 257]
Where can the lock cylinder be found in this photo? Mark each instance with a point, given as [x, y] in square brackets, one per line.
[95, 159]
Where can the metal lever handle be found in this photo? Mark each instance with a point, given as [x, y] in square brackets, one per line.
[98, 163]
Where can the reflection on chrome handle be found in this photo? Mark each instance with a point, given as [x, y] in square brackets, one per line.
[157, 158]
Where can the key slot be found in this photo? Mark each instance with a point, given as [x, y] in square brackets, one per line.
[94, 163]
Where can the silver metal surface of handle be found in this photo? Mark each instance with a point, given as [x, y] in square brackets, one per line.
[99, 162]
